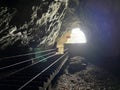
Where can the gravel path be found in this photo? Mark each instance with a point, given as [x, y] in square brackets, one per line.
[90, 77]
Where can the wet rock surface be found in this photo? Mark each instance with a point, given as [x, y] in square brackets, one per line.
[90, 77]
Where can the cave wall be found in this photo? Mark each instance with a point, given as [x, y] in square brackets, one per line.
[27, 24]
[39, 23]
[30, 23]
[101, 20]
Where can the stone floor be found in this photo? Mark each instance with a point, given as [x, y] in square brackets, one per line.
[90, 77]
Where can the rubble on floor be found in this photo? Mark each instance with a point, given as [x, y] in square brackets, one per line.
[90, 77]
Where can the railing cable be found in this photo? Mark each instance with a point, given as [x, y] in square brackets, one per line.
[24, 61]
[41, 72]
[21, 55]
[32, 64]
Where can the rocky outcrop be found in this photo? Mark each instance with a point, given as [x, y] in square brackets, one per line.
[33, 23]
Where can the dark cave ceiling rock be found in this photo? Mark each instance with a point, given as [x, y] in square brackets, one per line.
[34, 25]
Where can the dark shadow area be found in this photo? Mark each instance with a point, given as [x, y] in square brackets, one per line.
[110, 64]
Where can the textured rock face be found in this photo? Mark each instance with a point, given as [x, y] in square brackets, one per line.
[33, 23]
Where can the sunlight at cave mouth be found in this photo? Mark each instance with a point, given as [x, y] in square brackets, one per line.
[77, 36]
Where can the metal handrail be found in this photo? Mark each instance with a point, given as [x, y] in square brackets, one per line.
[42, 72]
[31, 64]
[24, 61]
[21, 55]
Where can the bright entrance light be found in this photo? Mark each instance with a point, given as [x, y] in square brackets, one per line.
[77, 36]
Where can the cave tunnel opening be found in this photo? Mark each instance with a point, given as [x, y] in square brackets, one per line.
[73, 38]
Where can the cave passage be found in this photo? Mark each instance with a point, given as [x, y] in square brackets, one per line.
[74, 36]
[40, 38]
[77, 36]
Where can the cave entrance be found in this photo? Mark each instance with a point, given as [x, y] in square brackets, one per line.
[74, 36]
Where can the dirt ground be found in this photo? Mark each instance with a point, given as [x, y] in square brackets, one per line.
[81, 75]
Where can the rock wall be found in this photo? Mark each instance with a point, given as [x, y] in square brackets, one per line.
[30, 22]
